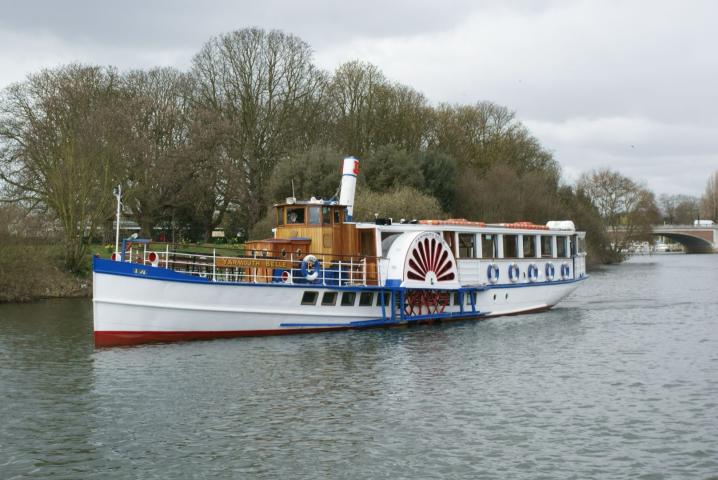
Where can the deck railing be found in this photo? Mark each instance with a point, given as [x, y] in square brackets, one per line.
[258, 266]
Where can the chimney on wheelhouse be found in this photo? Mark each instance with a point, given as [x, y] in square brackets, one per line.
[350, 170]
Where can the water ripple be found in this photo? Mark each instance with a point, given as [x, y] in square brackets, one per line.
[618, 382]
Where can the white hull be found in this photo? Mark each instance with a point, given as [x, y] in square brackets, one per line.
[131, 309]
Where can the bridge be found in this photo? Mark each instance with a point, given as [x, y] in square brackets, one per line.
[695, 238]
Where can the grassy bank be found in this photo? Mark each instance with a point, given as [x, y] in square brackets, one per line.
[33, 271]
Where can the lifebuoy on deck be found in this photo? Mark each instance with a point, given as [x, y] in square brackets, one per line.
[492, 273]
[153, 258]
[514, 273]
[533, 272]
[550, 272]
[565, 271]
[284, 276]
[311, 268]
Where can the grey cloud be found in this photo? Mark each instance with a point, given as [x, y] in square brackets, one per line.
[182, 23]
[590, 78]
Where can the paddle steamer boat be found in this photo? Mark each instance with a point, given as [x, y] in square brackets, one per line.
[321, 271]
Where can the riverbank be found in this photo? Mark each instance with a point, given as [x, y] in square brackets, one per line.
[33, 272]
[30, 272]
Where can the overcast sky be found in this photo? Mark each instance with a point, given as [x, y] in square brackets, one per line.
[631, 85]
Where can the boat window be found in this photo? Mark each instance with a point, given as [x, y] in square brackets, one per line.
[457, 299]
[348, 299]
[546, 246]
[387, 299]
[466, 245]
[337, 216]
[329, 299]
[511, 249]
[529, 246]
[561, 247]
[326, 216]
[366, 299]
[280, 216]
[310, 298]
[367, 245]
[295, 215]
[314, 216]
[581, 245]
[488, 246]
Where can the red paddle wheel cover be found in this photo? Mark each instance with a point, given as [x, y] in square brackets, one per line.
[427, 256]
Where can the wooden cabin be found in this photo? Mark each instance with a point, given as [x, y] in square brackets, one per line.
[316, 227]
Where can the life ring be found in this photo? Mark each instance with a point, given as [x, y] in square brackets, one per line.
[153, 258]
[492, 273]
[311, 268]
[284, 276]
[533, 272]
[550, 272]
[565, 271]
[514, 273]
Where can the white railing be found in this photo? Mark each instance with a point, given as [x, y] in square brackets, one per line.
[258, 267]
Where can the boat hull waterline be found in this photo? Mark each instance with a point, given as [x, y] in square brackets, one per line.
[136, 304]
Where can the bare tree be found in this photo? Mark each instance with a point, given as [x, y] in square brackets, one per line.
[156, 114]
[628, 209]
[265, 91]
[59, 149]
[485, 134]
[679, 209]
[709, 201]
[367, 111]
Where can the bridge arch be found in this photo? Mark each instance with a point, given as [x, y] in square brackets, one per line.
[692, 243]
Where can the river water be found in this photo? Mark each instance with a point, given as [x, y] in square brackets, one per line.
[619, 381]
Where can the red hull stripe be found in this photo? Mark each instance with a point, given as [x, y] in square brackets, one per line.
[111, 339]
[117, 338]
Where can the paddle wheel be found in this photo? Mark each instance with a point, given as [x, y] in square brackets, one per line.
[425, 302]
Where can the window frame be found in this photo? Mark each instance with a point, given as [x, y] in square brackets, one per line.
[333, 296]
[313, 293]
[346, 295]
[363, 296]
[506, 240]
[471, 249]
[303, 215]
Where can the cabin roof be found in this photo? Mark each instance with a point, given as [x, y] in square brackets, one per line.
[316, 203]
[466, 227]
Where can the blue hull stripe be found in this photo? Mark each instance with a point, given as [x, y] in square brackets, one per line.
[383, 322]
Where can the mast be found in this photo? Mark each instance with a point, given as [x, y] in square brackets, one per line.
[118, 195]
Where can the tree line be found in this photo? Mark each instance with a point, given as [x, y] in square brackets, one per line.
[254, 120]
